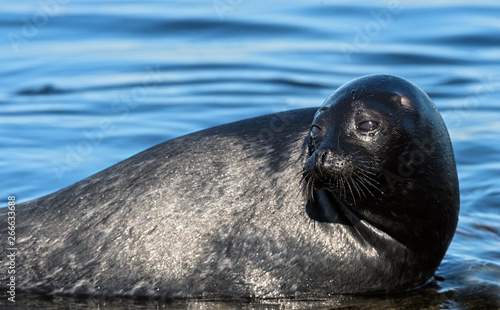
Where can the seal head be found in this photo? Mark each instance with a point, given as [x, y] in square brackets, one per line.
[379, 151]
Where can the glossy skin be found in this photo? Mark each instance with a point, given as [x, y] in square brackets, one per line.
[265, 207]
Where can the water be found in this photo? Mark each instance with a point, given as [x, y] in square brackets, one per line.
[85, 84]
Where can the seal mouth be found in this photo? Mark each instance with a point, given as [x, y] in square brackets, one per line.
[350, 183]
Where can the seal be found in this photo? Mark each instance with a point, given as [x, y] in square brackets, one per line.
[360, 195]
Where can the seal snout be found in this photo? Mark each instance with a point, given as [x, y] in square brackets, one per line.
[325, 164]
[328, 160]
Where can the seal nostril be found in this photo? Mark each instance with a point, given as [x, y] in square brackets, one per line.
[323, 158]
[326, 159]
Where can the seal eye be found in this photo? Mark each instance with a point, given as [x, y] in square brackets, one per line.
[368, 126]
[315, 131]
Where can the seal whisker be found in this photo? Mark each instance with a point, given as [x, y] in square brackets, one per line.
[369, 172]
[339, 187]
[375, 187]
[352, 180]
[364, 173]
[349, 181]
[344, 191]
[308, 184]
[373, 182]
[358, 188]
[372, 171]
[311, 189]
[362, 182]
[369, 182]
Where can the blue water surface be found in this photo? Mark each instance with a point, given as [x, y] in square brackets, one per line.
[87, 83]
